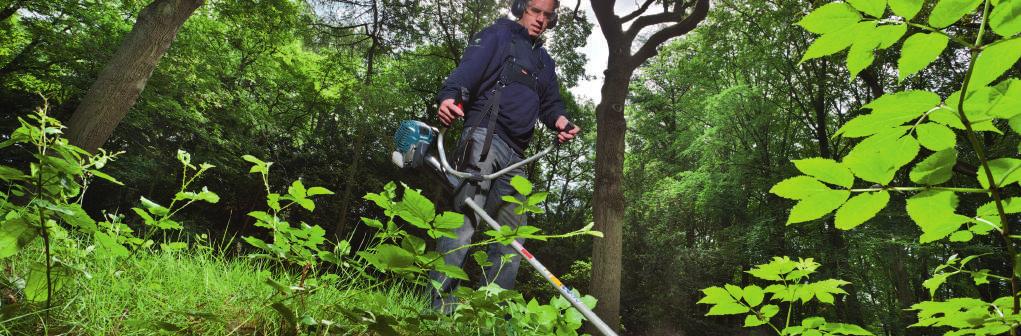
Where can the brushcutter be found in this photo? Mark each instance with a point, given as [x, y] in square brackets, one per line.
[417, 144]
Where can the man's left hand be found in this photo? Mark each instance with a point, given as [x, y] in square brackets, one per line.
[566, 130]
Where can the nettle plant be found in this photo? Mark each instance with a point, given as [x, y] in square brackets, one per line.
[902, 126]
[789, 286]
[300, 246]
[400, 252]
[46, 201]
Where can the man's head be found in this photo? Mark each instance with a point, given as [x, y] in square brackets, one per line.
[536, 15]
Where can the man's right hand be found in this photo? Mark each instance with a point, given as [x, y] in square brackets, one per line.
[449, 111]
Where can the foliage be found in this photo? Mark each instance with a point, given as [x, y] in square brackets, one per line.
[899, 126]
[46, 203]
[400, 252]
[790, 286]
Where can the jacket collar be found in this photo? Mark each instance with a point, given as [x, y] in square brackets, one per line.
[516, 28]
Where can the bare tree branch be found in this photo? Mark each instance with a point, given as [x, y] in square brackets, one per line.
[684, 26]
[609, 23]
[637, 12]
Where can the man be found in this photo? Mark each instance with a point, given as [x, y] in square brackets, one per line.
[507, 82]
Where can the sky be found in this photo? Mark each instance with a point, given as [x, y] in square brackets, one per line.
[596, 49]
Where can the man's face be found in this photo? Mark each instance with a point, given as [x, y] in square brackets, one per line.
[536, 16]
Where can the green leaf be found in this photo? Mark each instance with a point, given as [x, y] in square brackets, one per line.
[888, 35]
[869, 124]
[109, 246]
[753, 295]
[451, 271]
[888, 111]
[817, 200]
[936, 137]
[935, 169]
[305, 203]
[919, 51]
[394, 257]
[174, 246]
[769, 311]
[933, 211]
[10, 174]
[297, 190]
[753, 321]
[826, 170]
[980, 277]
[906, 8]
[371, 222]
[825, 289]
[875, 8]
[988, 212]
[727, 308]
[1005, 19]
[449, 220]
[910, 102]
[798, 187]
[961, 236]
[946, 12]
[936, 281]
[537, 198]
[878, 157]
[817, 206]
[1006, 171]
[416, 209]
[313, 191]
[258, 166]
[994, 60]
[15, 233]
[860, 209]
[845, 329]
[35, 283]
[154, 208]
[813, 322]
[836, 41]
[101, 175]
[522, 185]
[860, 57]
[830, 17]
[1005, 100]
[184, 158]
[716, 295]
[257, 243]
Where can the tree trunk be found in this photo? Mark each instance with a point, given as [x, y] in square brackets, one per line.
[6, 13]
[352, 172]
[608, 198]
[121, 82]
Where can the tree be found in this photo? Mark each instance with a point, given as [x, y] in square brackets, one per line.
[608, 200]
[122, 80]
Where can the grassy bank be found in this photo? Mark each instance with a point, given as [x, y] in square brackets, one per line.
[199, 292]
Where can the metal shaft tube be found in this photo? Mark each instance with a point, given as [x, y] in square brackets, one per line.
[585, 311]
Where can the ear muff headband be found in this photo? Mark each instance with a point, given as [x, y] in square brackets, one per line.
[518, 9]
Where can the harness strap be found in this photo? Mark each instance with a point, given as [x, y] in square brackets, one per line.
[493, 105]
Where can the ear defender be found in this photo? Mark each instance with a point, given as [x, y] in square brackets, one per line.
[518, 9]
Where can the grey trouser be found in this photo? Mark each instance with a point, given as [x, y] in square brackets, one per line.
[487, 194]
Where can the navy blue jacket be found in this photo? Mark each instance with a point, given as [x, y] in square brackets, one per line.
[520, 106]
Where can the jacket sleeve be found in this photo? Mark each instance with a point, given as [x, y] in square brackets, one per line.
[551, 106]
[478, 56]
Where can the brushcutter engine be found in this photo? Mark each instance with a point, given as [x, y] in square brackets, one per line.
[414, 139]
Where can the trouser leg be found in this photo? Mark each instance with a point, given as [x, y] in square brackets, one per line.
[504, 274]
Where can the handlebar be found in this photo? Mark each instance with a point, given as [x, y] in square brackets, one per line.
[465, 175]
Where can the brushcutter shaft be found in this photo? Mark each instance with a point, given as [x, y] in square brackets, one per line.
[566, 292]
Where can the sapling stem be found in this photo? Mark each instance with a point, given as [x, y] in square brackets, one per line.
[980, 152]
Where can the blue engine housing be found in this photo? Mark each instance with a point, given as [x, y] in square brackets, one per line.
[413, 139]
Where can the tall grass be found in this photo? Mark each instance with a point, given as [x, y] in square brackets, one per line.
[202, 291]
